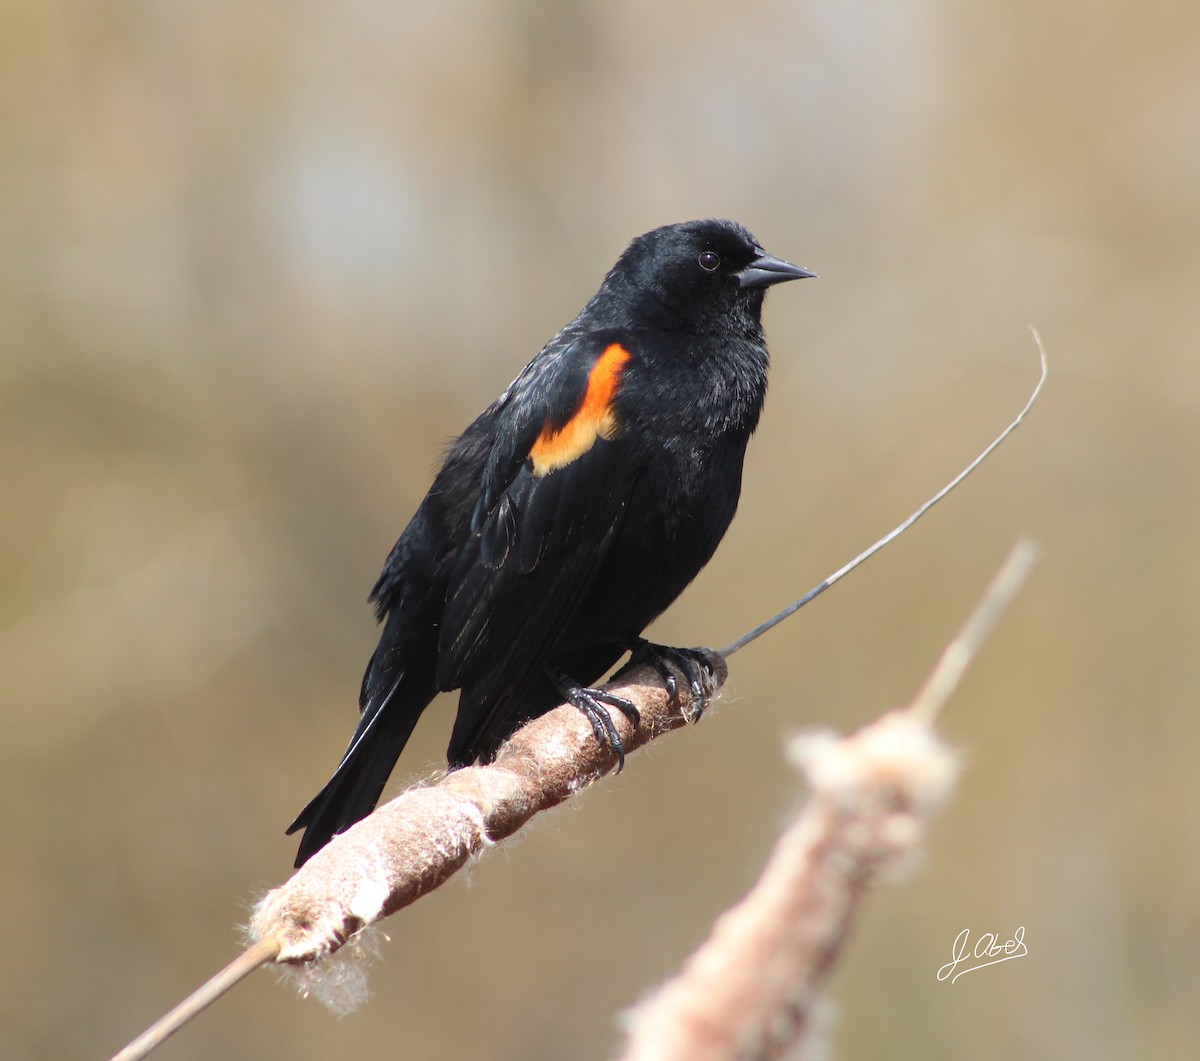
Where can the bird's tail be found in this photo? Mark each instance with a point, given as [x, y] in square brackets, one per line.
[351, 794]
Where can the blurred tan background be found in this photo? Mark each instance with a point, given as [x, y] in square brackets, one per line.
[258, 262]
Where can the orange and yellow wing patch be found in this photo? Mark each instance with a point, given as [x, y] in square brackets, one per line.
[556, 448]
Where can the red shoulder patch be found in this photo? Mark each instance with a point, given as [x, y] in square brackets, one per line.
[593, 419]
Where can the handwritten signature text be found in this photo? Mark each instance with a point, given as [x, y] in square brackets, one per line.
[988, 950]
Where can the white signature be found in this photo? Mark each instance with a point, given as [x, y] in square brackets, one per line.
[988, 950]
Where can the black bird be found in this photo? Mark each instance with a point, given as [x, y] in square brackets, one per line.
[570, 513]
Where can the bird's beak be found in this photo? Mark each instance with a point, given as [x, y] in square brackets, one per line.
[766, 270]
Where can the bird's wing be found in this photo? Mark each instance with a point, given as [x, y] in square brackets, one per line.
[554, 491]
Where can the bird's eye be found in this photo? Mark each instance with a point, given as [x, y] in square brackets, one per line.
[709, 260]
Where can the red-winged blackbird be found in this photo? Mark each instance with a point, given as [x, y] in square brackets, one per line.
[570, 513]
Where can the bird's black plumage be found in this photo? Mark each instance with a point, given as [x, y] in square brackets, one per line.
[572, 511]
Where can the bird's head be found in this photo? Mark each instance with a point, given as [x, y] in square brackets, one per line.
[692, 274]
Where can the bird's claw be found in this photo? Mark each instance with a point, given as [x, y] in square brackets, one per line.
[594, 705]
[695, 664]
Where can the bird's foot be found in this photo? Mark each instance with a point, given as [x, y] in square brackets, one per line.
[695, 664]
[594, 704]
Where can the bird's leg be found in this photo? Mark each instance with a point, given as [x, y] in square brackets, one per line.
[695, 664]
[594, 703]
